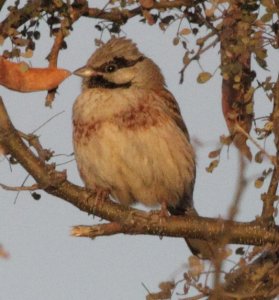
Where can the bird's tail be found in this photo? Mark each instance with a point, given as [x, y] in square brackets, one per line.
[202, 249]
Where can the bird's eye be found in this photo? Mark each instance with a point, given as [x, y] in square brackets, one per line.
[110, 68]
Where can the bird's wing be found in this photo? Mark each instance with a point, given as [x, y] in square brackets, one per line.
[173, 110]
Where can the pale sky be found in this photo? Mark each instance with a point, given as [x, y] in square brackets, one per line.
[45, 261]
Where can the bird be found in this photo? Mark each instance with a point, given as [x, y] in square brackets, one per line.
[129, 137]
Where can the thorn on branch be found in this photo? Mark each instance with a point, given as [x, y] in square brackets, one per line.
[32, 187]
[33, 141]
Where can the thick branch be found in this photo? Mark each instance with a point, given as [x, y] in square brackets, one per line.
[270, 197]
[133, 221]
[2, 2]
[194, 227]
[121, 16]
[18, 17]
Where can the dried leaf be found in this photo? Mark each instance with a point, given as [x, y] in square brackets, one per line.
[185, 31]
[210, 11]
[175, 41]
[225, 253]
[200, 42]
[165, 291]
[266, 17]
[268, 126]
[259, 157]
[225, 140]
[203, 77]
[186, 59]
[4, 253]
[261, 62]
[259, 182]
[196, 266]
[249, 108]
[167, 285]
[20, 77]
[149, 18]
[27, 54]
[58, 3]
[214, 153]
[20, 41]
[212, 166]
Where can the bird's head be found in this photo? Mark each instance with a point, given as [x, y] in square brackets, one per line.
[119, 64]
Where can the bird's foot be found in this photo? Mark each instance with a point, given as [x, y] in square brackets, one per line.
[102, 194]
[164, 213]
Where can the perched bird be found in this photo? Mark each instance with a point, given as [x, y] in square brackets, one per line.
[129, 136]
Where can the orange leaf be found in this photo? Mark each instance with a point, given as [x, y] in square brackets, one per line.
[22, 78]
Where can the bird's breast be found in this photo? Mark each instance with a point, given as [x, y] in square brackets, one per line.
[125, 110]
[133, 149]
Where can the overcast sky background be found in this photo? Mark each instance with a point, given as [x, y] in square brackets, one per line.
[45, 261]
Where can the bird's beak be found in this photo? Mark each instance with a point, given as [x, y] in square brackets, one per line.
[85, 72]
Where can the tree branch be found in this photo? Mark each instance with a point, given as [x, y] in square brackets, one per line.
[18, 17]
[132, 221]
[97, 230]
[270, 197]
[2, 2]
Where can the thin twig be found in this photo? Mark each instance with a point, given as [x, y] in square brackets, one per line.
[241, 185]
[198, 53]
[53, 59]
[47, 121]
[240, 188]
[239, 129]
[24, 180]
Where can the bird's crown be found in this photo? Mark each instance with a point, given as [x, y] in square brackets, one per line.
[115, 48]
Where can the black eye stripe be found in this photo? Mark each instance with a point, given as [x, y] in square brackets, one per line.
[100, 82]
[119, 62]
